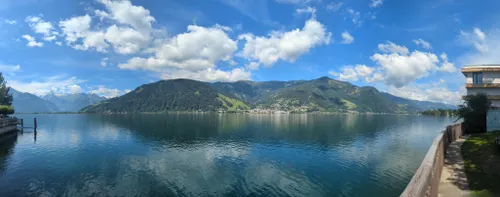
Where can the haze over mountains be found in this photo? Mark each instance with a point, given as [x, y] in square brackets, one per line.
[30, 103]
[323, 94]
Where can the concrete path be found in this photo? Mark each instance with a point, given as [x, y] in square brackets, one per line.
[453, 178]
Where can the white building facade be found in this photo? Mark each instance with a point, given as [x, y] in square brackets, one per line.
[485, 79]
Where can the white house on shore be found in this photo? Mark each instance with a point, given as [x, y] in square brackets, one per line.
[485, 79]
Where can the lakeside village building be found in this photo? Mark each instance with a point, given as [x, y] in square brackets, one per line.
[486, 79]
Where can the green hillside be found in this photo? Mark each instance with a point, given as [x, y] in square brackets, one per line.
[323, 94]
[169, 95]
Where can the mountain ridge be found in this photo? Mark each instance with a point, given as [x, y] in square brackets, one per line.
[73, 102]
[318, 95]
[24, 102]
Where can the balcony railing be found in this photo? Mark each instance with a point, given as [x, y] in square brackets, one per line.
[484, 85]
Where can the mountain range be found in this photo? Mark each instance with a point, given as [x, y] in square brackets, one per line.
[72, 102]
[323, 94]
[26, 103]
[30, 103]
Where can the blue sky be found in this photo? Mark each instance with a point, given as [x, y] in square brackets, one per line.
[413, 49]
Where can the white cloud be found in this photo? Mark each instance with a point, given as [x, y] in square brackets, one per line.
[350, 73]
[355, 16]
[401, 68]
[428, 92]
[287, 46]
[32, 42]
[75, 28]
[375, 77]
[49, 38]
[252, 66]
[57, 84]
[485, 46]
[390, 47]
[376, 3]
[39, 26]
[198, 49]
[422, 43]
[126, 40]
[309, 10]
[294, 1]
[347, 38]
[477, 38]
[479, 34]
[104, 62]
[59, 43]
[107, 92]
[7, 21]
[75, 89]
[446, 65]
[9, 69]
[210, 74]
[125, 13]
[333, 7]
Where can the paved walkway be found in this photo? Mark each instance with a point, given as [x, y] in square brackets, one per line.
[453, 179]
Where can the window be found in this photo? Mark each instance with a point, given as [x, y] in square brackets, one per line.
[477, 78]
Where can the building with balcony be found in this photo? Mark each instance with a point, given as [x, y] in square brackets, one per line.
[485, 79]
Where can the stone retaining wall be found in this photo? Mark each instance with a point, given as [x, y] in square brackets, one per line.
[425, 182]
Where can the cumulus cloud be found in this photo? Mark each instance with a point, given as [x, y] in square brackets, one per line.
[397, 67]
[197, 49]
[58, 84]
[127, 14]
[75, 89]
[209, 74]
[129, 32]
[446, 65]
[107, 92]
[428, 92]
[347, 38]
[126, 40]
[39, 26]
[422, 43]
[376, 3]
[32, 41]
[252, 66]
[401, 69]
[390, 47]
[287, 46]
[353, 73]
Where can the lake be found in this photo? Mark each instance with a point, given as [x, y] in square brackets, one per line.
[215, 155]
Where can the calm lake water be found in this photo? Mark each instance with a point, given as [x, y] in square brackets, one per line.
[215, 155]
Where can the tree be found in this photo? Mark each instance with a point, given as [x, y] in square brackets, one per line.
[5, 96]
[474, 112]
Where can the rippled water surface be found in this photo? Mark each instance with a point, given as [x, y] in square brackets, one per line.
[215, 155]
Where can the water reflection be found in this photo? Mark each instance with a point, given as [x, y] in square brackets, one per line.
[7, 143]
[219, 155]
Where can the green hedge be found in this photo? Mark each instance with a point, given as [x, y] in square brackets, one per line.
[4, 109]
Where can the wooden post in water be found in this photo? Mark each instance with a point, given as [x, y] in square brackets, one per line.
[35, 126]
[22, 123]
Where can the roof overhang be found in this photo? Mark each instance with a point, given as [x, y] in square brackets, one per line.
[481, 68]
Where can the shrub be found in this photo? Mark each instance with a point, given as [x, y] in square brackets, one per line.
[6, 110]
[474, 112]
